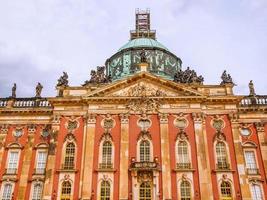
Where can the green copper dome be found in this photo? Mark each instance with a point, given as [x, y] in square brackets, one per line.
[143, 43]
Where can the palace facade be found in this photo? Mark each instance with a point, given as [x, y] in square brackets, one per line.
[139, 128]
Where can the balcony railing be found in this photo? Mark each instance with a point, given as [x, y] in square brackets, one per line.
[222, 166]
[67, 166]
[144, 165]
[105, 165]
[183, 165]
[11, 171]
[31, 102]
[253, 171]
[39, 171]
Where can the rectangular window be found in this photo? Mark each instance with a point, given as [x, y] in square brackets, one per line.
[251, 162]
[41, 162]
[256, 192]
[7, 192]
[13, 162]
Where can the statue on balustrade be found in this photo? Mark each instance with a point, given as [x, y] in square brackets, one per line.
[188, 76]
[38, 90]
[143, 56]
[14, 90]
[226, 78]
[98, 76]
[251, 89]
[63, 80]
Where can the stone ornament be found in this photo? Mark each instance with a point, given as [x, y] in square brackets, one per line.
[226, 78]
[144, 123]
[180, 122]
[72, 124]
[144, 176]
[98, 76]
[32, 128]
[45, 132]
[245, 131]
[217, 123]
[143, 105]
[18, 132]
[188, 76]
[108, 123]
[181, 136]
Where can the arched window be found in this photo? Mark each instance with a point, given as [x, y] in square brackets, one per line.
[145, 191]
[221, 156]
[182, 155]
[105, 190]
[226, 190]
[185, 190]
[7, 192]
[106, 155]
[66, 191]
[37, 192]
[256, 192]
[144, 151]
[69, 156]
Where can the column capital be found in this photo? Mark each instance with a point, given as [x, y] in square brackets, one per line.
[233, 117]
[259, 126]
[91, 118]
[199, 117]
[124, 117]
[163, 118]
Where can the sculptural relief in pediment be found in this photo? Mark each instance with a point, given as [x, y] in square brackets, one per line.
[143, 89]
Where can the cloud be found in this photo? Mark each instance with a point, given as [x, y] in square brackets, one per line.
[40, 39]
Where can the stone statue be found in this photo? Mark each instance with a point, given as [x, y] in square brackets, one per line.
[251, 89]
[14, 89]
[143, 56]
[63, 80]
[226, 78]
[98, 76]
[38, 90]
[188, 76]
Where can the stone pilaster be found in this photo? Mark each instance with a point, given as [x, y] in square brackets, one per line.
[240, 160]
[3, 134]
[124, 157]
[203, 157]
[88, 157]
[51, 160]
[165, 156]
[26, 165]
[263, 143]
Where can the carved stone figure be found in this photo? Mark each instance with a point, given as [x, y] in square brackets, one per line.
[251, 89]
[143, 56]
[38, 90]
[98, 76]
[14, 89]
[226, 78]
[63, 80]
[188, 76]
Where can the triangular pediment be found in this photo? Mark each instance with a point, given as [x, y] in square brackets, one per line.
[145, 84]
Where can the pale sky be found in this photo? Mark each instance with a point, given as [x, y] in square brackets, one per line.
[39, 39]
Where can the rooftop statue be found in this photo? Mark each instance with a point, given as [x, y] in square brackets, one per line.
[38, 90]
[188, 76]
[251, 89]
[98, 76]
[226, 78]
[63, 80]
[14, 89]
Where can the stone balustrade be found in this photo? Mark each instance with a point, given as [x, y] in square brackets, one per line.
[254, 100]
[25, 102]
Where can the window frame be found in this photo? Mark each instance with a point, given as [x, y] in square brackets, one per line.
[104, 189]
[3, 190]
[261, 191]
[71, 156]
[37, 167]
[67, 195]
[34, 184]
[15, 169]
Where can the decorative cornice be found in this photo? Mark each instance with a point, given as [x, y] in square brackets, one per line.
[259, 126]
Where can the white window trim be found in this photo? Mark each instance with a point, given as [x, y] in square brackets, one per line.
[188, 149]
[3, 186]
[32, 188]
[101, 151]
[261, 188]
[8, 157]
[228, 159]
